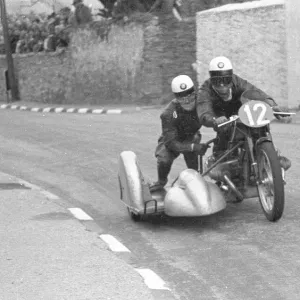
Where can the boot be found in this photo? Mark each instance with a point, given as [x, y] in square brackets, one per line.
[163, 171]
[285, 163]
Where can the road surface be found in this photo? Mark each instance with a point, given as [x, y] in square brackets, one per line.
[236, 254]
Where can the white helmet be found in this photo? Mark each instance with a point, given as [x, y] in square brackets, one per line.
[182, 85]
[220, 66]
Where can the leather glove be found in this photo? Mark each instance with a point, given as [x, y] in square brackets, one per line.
[219, 121]
[197, 138]
[276, 108]
[200, 149]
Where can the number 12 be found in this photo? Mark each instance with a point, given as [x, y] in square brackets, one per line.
[260, 119]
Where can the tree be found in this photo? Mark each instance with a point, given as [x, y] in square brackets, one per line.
[54, 4]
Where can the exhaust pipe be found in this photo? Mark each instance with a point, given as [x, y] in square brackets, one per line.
[250, 192]
[232, 186]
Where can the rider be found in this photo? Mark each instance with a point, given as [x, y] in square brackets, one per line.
[180, 125]
[219, 98]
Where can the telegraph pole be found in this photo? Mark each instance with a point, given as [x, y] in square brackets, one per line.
[10, 63]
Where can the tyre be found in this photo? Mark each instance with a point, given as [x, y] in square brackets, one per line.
[134, 217]
[270, 186]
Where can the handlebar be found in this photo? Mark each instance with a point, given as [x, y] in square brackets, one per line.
[234, 118]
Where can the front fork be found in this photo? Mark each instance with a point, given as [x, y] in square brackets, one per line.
[253, 161]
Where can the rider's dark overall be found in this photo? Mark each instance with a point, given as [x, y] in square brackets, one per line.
[179, 128]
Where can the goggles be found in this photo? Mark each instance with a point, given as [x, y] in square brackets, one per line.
[221, 80]
[187, 99]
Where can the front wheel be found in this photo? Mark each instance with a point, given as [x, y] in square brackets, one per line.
[270, 186]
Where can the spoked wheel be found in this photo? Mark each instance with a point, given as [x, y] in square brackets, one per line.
[270, 186]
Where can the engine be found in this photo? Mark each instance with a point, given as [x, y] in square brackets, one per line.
[231, 168]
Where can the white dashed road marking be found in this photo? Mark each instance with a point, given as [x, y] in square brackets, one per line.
[79, 214]
[113, 243]
[152, 280]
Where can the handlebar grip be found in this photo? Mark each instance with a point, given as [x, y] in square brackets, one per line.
[283, 113]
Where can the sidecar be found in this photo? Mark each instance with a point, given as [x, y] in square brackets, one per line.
[191, 195]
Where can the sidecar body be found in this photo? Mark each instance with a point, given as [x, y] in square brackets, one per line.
[191, 195]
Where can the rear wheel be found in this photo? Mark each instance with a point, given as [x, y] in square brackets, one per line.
[270, 186]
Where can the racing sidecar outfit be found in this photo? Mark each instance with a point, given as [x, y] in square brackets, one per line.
[179, 128]
[210, 106]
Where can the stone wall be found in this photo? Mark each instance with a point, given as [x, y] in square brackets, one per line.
[169, 49]
[252, 35]
[89, 72]
[40, 77]
[293, 50]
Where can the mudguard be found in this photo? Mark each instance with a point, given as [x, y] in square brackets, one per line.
[191, 196]
[134, 190]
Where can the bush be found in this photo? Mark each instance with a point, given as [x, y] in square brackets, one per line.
[106, 71]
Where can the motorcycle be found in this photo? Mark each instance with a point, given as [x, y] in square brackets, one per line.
[249, 168]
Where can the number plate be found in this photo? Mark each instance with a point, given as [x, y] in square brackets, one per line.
[256, 113]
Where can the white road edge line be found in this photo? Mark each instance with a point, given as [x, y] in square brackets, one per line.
[152, 280]
[58, 109]
[28, 184]
[79, 214]
[97, 111]
[49, 195]
[114, 111]
[113, 243]
[82, 110]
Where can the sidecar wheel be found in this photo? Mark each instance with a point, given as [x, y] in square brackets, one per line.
[134, 217]
[271, 186]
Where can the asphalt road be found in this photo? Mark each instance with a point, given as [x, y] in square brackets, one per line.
[235, 254]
